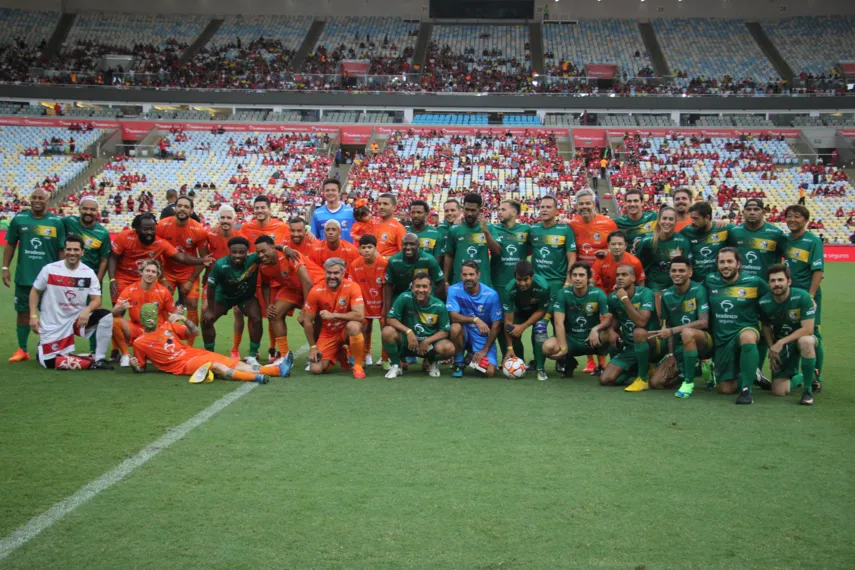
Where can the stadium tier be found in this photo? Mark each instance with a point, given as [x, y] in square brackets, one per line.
[23, 36]
[814, 45]
[386, 43]
[568, 48]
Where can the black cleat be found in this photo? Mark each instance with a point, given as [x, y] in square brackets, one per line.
[598, 371]
[530, 366]
[570, 366]
[559, 367]
[807, 399]
[101, 365]
[762, 381]
[745, 397]
[816, 386]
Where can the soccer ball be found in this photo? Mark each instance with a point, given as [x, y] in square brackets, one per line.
[513, 368]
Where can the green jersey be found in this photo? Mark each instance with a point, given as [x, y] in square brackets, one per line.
[549, 249]
[705, 248]
[465, 243]
[786, 318]
[734, 306]
[514, 244]
[96, 241]
[526, 302]
[40, 240]
[637, 229]
[425, 320]
[656, 258]
[758, 248]
[400, 272]
[803, 256]
[442, 238]
[428, 239]
[234, 284]
[684, 308]
[642, 299]
[581, 313]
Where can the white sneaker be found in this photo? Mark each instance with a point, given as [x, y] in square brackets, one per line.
[253, 361]
[541, 375]
[125, 361]
[368, 360]
[433, 370]
[394, 371]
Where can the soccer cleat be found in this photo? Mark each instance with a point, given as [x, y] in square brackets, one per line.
[125, 361]
[271, 355]
[530, 366]
[708, 373]
[369, 360]
[457, 371]
[385, 364]
[19, 356]
[598, 372]
[433, 370]
[560, 367]
[201, 374]
[234, 355]
[590, 367]
[807, 399]
[308, 366]
[745, 397]
[762, 381]
[816, 386]
[685, 390]
[541, 375]
[285, 363]
[394, 372]
[358, 372]
[101, 365]
[262, 379]
[638, 385]
[253, 361]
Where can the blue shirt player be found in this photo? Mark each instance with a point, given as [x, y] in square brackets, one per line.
[476, 320]
[333, 210]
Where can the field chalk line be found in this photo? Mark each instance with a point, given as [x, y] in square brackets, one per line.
[58, 511]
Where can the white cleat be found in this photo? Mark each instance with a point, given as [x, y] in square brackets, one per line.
[541, 375]
[368, 360]
[308, 366]
[433, 370]
[253, 361]
[394, 372]
[125, 361]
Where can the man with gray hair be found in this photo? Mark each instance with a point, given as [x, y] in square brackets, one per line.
[332, 245]
[337, 302]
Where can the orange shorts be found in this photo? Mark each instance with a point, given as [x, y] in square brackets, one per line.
[291, 296]
[194, 363]
[274, 292]
[330, 344]
[174, 285]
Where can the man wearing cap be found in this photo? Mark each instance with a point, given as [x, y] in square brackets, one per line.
[760, 243]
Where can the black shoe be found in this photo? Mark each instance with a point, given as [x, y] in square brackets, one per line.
[807, 399]
[816, 386]
[762, 381]
[559, 367]
[100, 365]
[745, 397]
[531, 365]
[598, 371]
[569, 367]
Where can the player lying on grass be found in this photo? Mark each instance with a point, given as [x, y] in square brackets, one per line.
[787, 314]
[476, 321]
[161, 345]
[417, 325]
[70, 296]
[582, 321]
[526, 303]
[147, 290]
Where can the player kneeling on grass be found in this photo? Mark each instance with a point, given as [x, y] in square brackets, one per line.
[417, 325]
[70, 297]
[526, 303]
[631, 306]
[787, 314]
[161, 345]
[338, 302]
[582, 321]
[476, 321]
[686, 312]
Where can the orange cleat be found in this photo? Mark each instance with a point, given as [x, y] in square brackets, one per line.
[591, 366]
[19, 356]
[234, 355]
[358, 372]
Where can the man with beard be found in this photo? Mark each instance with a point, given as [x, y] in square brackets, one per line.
[512, 239]
[218, 245]
[682, 203]
[301, 240]
[470, 240]
[787, 314]
[233, 282]
[706, 239]
[526, 303]
[338, 302]
[476, 321]
[635, 222]
[760, 243]
[553, 246]
[42, 238]
[734, 305]
[451, 217]
[332, 245]
[388, 230]
[429, 236]
[333, 209]
[402, 267]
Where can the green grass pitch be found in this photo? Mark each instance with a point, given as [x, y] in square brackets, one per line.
[418, 472]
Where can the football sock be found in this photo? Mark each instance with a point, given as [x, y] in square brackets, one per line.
[236, 338]
[748, 365]
[762, 350]
[393, 350]
[282, 345]
[23, 336]
[642, 352]
[357, 349]
[601, 360]
[366, 333]
[92, 344]
[820, 354]
[102, 335]
[503, 344]
[458, 358]
[690, 361]
[242, 376]
[624, 378]
[270, 370]
[808, 366]
[118, 337]
[270, 335]
[384, 356]
[539, 359]
[209, 346]
[254, 346]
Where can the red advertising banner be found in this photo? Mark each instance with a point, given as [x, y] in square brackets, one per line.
[589, 138]
[848, 68]
[135, 130]
[712, 133]
[469, 130]
[356, 135]
[839, 253]
[847, 133]
[355, 67]
[601, 70]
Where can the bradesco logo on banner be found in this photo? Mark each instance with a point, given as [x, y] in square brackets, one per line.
[716, 133]
[469, 131]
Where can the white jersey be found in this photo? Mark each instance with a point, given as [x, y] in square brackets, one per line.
[64, 296]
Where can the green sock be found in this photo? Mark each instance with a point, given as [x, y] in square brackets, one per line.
[624, 378]
[820, 355]
[642, 353]
[253, 349]
[519, 348]
[748, 365]
[539, 359]
[93, 344]
[762, 350]
[690, 360]
[503, 344]
[210, 346]
[394, 352]
[808, 366]
[23, 336]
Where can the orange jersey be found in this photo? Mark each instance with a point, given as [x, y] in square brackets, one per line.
[605, 271]
[187, 239]
[276, 229]
[684, 224]
[345, 299]
[371, 280]
[164, 349]
[218, 244]
[390, 236]
[137, 297]
[284, 274]
[321, 252]
[591, 237]
[127, 245]
[359, 229]
[304, 247]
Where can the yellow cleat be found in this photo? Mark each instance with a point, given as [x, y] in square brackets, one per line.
[638, 386]
[202, 374]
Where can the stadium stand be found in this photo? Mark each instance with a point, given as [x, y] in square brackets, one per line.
[813, 46]
[387, 43]
[568, 48]
[450, 119]
[23, 36]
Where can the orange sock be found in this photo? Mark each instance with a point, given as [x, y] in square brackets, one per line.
[590, 359]
[269, 370]
[357, 349]
[236, 338]
[193, 316]
[282, 345]
[602, 361]
[243, 376]
[119, 337]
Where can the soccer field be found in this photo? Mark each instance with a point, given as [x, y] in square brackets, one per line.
[422, 472]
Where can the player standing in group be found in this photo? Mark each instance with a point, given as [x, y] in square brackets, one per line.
[734, 306]
[605, 269]
[429, 236]
[300, 240]
[470, 240]
[656, 252]
[369, 272]
[582, 322]
[553, 246]
[417, 325]
[512, 239]
[41, 236]
[388, 230]
[760, 243]
[338, 302]
[332, 246]
[476, 320]
[635, 221]
[451, 217]
[682, 203]
[526, 302]
[787, 314]
[804, 255]
[71, 306]
[706, 240]
[218, 245]
[402, 267]
[333, 209]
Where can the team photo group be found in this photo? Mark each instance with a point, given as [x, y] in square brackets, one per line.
[650, 299]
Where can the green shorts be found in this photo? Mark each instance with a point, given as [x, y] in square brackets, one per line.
[22, 298]
[580, 347]
[679, 356]
[628, 360]
[228, 304]
[404, 348]
[790, 361]
[726, 357]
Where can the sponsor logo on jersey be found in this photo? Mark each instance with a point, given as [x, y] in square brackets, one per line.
[797, 254]
[45, 231]
[36, 243]
[511, 249]
[794, 314]
[751, 257]
[690, 305]
[726, 305]
[472, 251]
[429, 318]
[706, 251]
